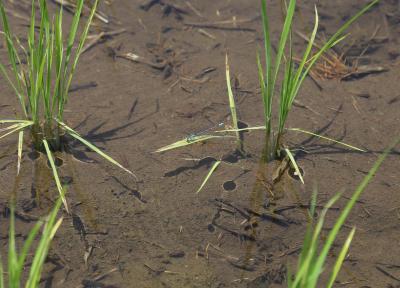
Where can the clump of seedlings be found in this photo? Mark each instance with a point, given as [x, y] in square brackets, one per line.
[314, 253]
[294, 73]
[41, 75]
[17, 261]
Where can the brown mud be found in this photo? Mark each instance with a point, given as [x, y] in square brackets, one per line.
[237, 232]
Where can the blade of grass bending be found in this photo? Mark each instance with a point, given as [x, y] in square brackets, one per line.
[307, 266]
[294, 163]
[16, 121]
[79, 50]
[11, 127]
[25, 249]
[232, 104]
[326, 138]
[21, 126]
[75, 134]
[49, 231]
[284, 36]
[336, 38]
[72, 34]
[16, 91]
[346, 211]
[20, 143]
[215, 165]
[340, 259]
[307, 238]
[309, 47]
[268, 93]
[185, 142]
[12, 54]
[55, 174]
[267, 107]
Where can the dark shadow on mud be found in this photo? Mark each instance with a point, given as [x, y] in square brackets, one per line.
[229, 158]
[307, 147]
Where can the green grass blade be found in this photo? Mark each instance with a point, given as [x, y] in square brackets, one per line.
[287, 26]
[55, 174]
[79, 51]
[13, 269]
[16, 91]
[307, 266]
[340, 259]
[326, 138]
[25, 249]
[232, 104]
[13, 56]
[72, 34]
[336, 38]
[49, 231]
[213, 168]
[75, 134]
[294, 163]
[346, 211]
[307, 52]
[267, 96]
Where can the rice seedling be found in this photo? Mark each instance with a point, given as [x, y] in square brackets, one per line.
[293, 75]
[311, 262]
[41, 76]
[16, 262]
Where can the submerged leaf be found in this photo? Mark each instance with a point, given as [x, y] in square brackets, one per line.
[55, 174]
[215, 165]
[294, 163]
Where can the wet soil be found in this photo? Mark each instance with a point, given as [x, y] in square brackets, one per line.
[157, 232]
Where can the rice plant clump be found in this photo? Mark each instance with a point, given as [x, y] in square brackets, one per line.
[293, 74]
[41, 75]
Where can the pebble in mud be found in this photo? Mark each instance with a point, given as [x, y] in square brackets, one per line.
[176, 254]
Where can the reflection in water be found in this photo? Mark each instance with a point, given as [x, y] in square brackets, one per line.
[80, 195]
[42, 178]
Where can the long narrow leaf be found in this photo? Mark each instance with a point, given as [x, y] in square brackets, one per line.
[75, 134]
[213, 167]
[340, 259]
[326, 138]
[55, 174]
[232, 104]
[294, 163]
[20, 143]
[346, 211]
[41, 252]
